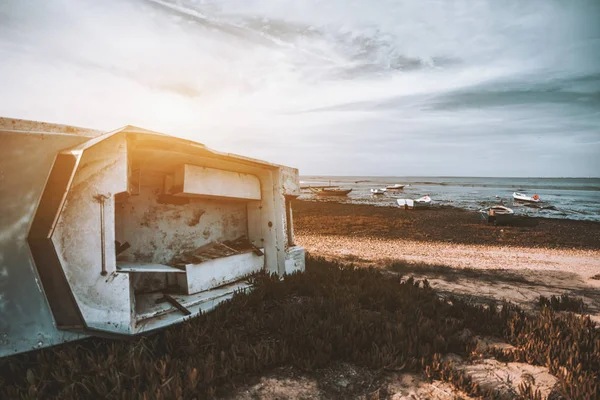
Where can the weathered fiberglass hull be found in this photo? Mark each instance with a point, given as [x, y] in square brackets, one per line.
[121, 233]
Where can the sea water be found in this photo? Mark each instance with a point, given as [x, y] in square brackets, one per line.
[570, 198]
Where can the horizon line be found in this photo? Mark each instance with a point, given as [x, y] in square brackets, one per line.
[451, 176]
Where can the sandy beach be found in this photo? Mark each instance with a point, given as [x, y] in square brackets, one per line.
[537, 257]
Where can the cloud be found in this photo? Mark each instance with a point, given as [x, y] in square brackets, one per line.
[359, 87]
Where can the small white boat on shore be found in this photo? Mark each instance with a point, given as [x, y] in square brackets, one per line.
[378, 191]
[497, 214]
[395, 187]
[410, 204]
[523, 197]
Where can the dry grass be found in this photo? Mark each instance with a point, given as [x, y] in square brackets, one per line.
[331, 313]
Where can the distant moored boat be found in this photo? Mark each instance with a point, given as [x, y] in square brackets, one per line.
[523, 197]
[395, 187]
[497, 214]
[330, 191]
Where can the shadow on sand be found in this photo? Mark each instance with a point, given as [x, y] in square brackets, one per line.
[520, 286]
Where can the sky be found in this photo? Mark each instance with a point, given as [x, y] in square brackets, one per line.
[340, 87]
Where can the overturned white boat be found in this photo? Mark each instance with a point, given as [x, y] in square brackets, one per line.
[120, 233]
[378, 191]
[497, 214]
[395, 187]
[524, 198]
[409, 204]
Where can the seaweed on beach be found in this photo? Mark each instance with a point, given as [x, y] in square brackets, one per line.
[331, 313]
[447, 224]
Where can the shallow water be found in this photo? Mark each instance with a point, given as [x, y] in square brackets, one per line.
[570, 198]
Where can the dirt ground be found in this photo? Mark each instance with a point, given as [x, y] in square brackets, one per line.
[347, 381]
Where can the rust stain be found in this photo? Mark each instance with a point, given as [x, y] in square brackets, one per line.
[195, 220]
[149, 218]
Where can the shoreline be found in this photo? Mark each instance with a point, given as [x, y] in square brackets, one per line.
[353, 202]
[560, 198]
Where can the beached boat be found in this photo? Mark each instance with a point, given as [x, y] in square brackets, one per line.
[395, 187]
[119, 233]
[409, 204]
[330, 191]
[378, 191]
[497, 214]
[524, 198]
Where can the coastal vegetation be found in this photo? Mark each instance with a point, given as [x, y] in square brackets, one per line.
[331, 313]
[563, 302]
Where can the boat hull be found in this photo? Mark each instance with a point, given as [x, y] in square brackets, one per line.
[525, 199]
[88, 240]
[497, 215]
[330, 193]
[410, 204]
[399, 187]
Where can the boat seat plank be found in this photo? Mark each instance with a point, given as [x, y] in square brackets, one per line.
[142, 267]
[151, 305]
